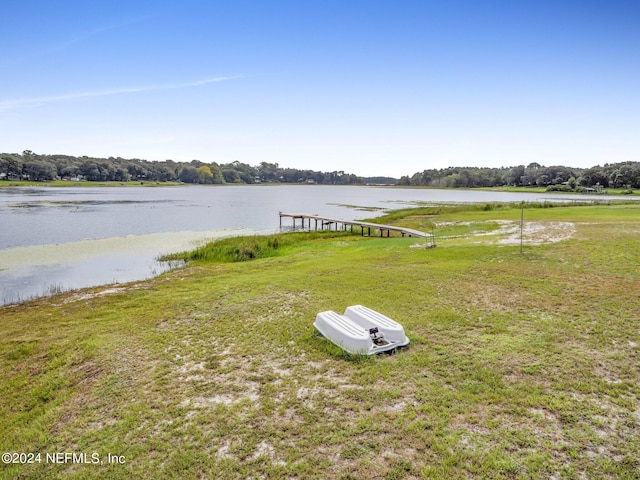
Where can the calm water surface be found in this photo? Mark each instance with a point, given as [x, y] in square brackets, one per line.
[66, 238]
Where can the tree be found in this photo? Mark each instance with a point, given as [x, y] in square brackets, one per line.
[66, 166]
[188, 174]
[204, 175]
[625, 175]
[10, 164]
[231, 176]
[245, 173]
[162, 172]
[558, 174]
[216, 174]
[137, 170]
[121, 175]
[90, 171]
[516, 175]
[593, 176]
[268, 171]
[121, 169]
[39, 170]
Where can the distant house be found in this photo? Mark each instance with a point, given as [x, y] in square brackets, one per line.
[13, 176]
[596, 190]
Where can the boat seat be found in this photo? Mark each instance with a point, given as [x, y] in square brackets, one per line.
[391, 330]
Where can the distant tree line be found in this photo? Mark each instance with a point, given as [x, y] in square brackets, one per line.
[32, 166]
[615, 175]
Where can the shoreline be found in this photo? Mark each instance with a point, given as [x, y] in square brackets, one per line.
[94, 262]
[621, 192]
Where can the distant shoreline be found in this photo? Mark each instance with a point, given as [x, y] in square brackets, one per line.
[88, 184]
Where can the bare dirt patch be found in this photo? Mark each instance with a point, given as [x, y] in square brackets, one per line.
[535, 233]
[508, 233]
[83, 296]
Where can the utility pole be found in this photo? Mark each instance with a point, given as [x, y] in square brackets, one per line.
[521, 224]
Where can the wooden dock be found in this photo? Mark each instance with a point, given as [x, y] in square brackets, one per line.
[325, 223]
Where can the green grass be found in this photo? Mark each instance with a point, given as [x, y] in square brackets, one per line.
[607, 191]
[520, 365]
[248, 248]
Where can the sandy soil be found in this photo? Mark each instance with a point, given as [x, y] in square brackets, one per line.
[535, 233]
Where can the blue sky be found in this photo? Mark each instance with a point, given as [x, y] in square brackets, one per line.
[369, 87]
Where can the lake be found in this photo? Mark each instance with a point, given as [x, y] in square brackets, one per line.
[57, 239]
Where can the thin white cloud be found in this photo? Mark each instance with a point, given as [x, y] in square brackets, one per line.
[65, 44]
[35, 101]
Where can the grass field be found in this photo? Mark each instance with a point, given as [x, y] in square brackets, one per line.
[520, 365]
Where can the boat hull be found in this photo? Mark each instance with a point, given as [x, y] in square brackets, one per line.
[361, 330]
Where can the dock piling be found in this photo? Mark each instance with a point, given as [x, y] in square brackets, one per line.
[327, 223]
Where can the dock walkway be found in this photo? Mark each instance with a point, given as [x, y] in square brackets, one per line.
[326, 223]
